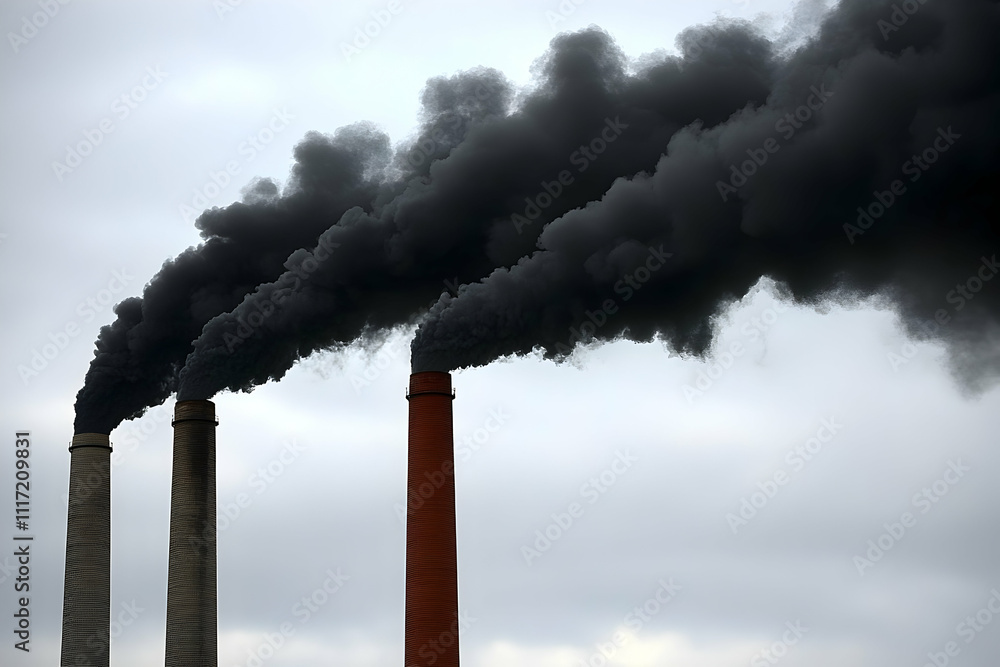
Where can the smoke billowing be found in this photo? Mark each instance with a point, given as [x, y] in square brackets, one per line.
[868, 171]
[139, 356]
[614, 199]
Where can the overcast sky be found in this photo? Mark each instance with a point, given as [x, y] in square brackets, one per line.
[836, 421]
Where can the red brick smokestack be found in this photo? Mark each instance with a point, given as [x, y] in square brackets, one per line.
[431, 552]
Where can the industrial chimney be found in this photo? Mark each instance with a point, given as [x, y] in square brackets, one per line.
[86, 629]
[431, 553]
[192, 632]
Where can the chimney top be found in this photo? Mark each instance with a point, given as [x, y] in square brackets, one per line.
[194, 410]
[90, 440]
[430, 382]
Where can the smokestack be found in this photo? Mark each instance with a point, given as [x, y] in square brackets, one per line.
[431, 552]
[192, 632]
[87, 589]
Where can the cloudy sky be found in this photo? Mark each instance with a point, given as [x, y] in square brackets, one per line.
[730, 509]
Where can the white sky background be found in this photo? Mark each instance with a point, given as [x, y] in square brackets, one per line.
[333, 506]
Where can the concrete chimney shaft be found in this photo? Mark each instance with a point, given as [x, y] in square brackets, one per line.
[431, 553]
[86, 628]
[192, 628]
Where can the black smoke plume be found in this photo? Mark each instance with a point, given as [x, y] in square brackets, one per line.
[471, 209]
[139, 356]
[871, 170]
[675, 181]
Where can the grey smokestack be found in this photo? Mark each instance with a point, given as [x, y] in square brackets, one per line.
[87, 590]
[192, 630]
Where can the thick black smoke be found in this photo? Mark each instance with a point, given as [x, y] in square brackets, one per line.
[139, 355]
[612, 163]
[889, 95]
[483, 201]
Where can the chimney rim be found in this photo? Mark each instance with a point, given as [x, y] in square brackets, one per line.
[82, 440]
[430, 383]
[202, 410]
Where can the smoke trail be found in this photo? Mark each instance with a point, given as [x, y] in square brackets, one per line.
[138, 356]
[485, 198]
[637, 173]
[871, 169]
